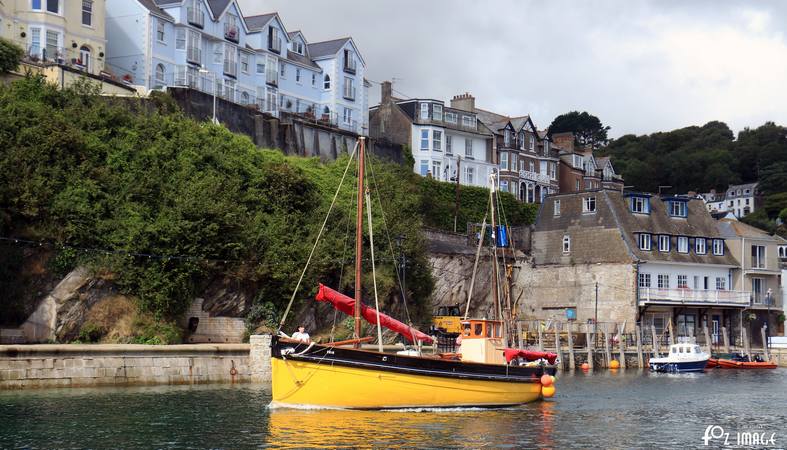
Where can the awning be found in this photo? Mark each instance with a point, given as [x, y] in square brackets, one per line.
[512, 353]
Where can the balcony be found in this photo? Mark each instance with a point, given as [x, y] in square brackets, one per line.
[196, 17]
[760, 301]
[534, 176]
[697, 297]
[231, 32]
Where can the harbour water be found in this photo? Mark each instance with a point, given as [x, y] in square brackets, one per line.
[624, 409]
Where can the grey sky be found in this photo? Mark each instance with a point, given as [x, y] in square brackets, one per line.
[641, 66]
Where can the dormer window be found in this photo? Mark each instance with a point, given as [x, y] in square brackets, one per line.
[640, 205]
[700, 246]
[450, 117]
[297, 47]
[577, 161]
[424, 111]
[274, 41]
[507, 138]
[437, 112]
[522, 140]
[467, 121]
[664, 243]
[678, 208]
[683, 244]
[589, 205]
[231, 28]
[644, 241]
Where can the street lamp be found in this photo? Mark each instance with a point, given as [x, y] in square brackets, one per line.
[768, 299]
[204, 70]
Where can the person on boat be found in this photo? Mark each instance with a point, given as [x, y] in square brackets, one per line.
[301, 335]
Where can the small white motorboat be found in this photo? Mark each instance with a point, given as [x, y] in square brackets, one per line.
[682, 357]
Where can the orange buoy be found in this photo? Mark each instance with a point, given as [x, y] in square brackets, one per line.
[547, 391]
[585, 366]
[546, 380]
[614, 364]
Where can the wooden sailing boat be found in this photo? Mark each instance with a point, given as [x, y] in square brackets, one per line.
[336, 376]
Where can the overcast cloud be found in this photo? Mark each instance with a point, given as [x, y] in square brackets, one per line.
[641, 66]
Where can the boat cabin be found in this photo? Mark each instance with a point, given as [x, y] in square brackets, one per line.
[482, 341]
[684, 349]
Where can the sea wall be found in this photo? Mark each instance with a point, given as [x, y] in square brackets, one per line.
[74, 365]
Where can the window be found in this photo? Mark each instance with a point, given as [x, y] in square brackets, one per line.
[640, 205]
[469, 172]
[274, 41]
[677, 209]
[552, 170]
[244, 62]
[35, 40]
[683, 244]
[696, 282]
[644, 280]
[436, 169]
[349, 61]
[348, 116]
[504, 186]
[160, 71]
[424, 111]
[244, 98]
[467, 121]
[36, 5]
[450, 117]
[700, 246]
[683, 282]
[532, 142]
[468, 147]
[231, 60]
[87, 13]
[577, 186]
[663, 281]
[314, 79]
[424, 167]
[272, 70]
[424, 140]
[721, 284]
[758, 256]
[664, 243]
[718, 247]
[180, 39]
[503, 161]
[283, 71]
[577, 161]
[507, 138]
[437, 112]
[644, 241]
[437, 140]
[53, 6]
[84, 58]
[566, 244]
[349, 88]
[449, 141]
[556, 209]
[589, 205]
[522, 140]
[756, 289]
[297, 75]
[218, 53]
[513, 161]
[326, 82]
[52, 43]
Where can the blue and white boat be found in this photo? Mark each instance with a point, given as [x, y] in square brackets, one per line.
[682, 357]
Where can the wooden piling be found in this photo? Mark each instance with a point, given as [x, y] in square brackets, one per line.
[707, 338]
[655, 347]
[607, 351]
[571, 364]
[746, 346]
[519, 334]
[621, 346]
[671, 332]
[557, 347]
[589, 348]
[640, 357]
[726, 339]
[765, 344]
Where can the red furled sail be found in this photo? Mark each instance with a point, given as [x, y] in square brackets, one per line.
[346, 305]
[512, 353]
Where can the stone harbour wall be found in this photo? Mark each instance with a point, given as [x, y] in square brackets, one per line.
[33, 366]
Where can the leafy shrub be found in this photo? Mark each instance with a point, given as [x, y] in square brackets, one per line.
[91, 332]
[10, 55]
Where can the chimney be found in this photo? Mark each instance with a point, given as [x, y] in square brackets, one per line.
[465, 102]
[386, 91]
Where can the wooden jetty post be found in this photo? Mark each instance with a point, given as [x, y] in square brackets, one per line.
[671, 332]
[707, 338]
[621, 347]
[746, 346]
[606, 347]
[726, 339]
[765, 344]
[589, 348]
[655, 347]
[571, 364]
[640, 357]
[541, 338]
[519, 334]
[557, 346]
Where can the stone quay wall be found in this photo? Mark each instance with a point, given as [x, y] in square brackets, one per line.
[33, 366]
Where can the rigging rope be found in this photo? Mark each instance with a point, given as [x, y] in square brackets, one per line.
[341, 270]
[317, 241]
[374, 274]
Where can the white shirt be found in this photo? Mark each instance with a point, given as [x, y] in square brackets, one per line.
[298, 336]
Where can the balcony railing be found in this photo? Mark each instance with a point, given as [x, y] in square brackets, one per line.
[534, 176]
[760, 300]
[693, 297]
[196, 17]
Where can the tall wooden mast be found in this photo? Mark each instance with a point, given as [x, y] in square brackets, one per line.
[359, 241]
[495, 275]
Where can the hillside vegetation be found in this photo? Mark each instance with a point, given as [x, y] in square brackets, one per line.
[165, 203]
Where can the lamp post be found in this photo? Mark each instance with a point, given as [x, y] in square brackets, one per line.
[768, 299]
[203, 70]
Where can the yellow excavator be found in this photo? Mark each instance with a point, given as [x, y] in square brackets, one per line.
[446, 326]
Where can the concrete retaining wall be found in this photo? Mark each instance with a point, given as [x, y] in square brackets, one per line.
[30, 366]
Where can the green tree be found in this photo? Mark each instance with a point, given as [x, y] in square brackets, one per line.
[587, 128]
[10, 55]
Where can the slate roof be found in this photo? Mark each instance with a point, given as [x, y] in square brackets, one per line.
[152, 6]
[326, 48]
[519, 122]
[256, 23]
[300, 59]
[217, 6]
[733, 229]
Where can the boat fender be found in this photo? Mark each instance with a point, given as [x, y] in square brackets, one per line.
[546, 380]
[547, 391]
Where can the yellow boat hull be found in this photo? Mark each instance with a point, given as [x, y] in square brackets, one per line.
[305, 383]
